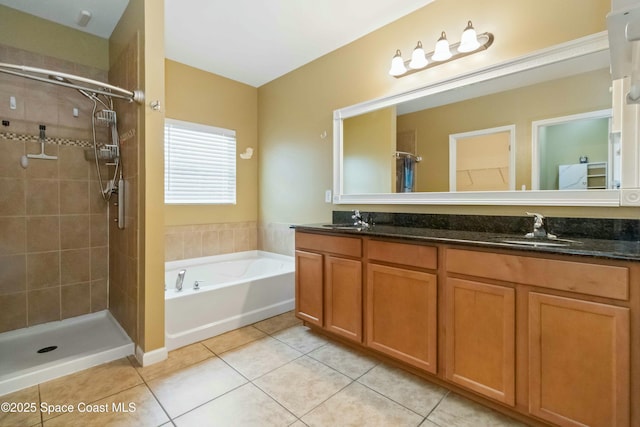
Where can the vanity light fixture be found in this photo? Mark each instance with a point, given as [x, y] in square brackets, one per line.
[469, 44]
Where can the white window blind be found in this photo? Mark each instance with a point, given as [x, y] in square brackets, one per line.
[199, 164]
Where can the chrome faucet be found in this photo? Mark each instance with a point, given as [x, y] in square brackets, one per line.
[538, 227]
[359, 221]
[180, 279]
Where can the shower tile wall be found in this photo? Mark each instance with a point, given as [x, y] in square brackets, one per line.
[124, 255]
[53, 236]
[53, 221]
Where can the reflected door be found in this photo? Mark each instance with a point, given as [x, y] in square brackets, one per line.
[482, 160]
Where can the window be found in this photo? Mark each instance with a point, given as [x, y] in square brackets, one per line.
[199, 164]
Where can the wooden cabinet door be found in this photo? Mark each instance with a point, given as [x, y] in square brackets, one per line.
[343, 297]
[480, 338]
[402, 314]
[578, 362]
[309, 289]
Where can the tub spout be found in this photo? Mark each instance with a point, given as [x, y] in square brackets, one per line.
[180, 279]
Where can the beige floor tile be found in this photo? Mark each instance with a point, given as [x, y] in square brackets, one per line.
[133, 407]
[356, 405]
[407, 389]
[302, 384]
[350, 362]
[301, 338]
[90, 385]
[244, 406]
[457, 411]
[259, 357]
[178, 359]
[427, 423]
[233, 339]
[24, 409]
[183, 390]
[278, 323]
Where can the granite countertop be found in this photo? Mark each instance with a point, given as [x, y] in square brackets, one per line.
[600, 248]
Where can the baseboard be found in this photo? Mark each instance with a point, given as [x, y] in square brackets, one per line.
[151, 357]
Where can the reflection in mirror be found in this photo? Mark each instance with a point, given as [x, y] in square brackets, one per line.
[371, 145]
[482, 160]
[574, 94]
[577, 152]
[560, 88]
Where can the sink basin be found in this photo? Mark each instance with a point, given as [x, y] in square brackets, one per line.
[345, 226]
[537, 242]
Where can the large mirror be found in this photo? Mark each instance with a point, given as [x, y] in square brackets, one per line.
[504, 134]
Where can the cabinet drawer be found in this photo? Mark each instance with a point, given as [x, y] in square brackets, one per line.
[403, 253]
[592, 279]
[338, 245]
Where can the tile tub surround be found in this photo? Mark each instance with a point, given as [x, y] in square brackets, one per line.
[589, 228]
[302, 379]
[276, 237]
[193, 241]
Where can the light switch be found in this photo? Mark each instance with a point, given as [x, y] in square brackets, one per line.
[12, 103]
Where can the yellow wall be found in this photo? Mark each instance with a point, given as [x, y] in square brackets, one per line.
[145, 19]
[297, 108]
[369, 155]
[38, 35]
[197, 96]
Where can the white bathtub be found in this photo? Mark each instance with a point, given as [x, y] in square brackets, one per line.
[235, 290]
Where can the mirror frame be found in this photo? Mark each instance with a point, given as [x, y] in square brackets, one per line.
[575, 49]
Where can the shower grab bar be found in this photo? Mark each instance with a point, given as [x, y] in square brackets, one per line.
[121, 93]
[121, 202]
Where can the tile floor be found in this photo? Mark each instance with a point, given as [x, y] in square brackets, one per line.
[273, 373]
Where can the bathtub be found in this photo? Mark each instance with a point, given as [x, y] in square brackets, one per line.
[235, 290]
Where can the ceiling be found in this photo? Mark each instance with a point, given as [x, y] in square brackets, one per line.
[104, 14]
[249, 41]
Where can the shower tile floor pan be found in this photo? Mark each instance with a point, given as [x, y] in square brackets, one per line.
[82, 342]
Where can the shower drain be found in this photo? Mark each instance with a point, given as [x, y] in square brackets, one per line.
[47, 349]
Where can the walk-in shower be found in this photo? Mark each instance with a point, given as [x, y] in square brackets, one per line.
[70, 274]
[102, 95]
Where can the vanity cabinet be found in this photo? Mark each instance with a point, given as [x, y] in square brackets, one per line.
[547, 336]
[577, 350]
[329, 283]
[578, 361]
[480, 339]
[401, 302]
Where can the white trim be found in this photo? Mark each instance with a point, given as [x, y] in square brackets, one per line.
[600, 198]
[453, 152]
[535, 129]
[151, 357]
[578, 49]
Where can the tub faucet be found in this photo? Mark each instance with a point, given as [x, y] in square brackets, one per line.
[538, 227]
[180, 279]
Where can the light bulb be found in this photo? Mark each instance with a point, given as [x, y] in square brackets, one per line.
[418, 58]
[397, 65]
[469, 41]
[442, 51]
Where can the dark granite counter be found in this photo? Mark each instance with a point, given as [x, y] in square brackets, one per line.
[599, 248]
